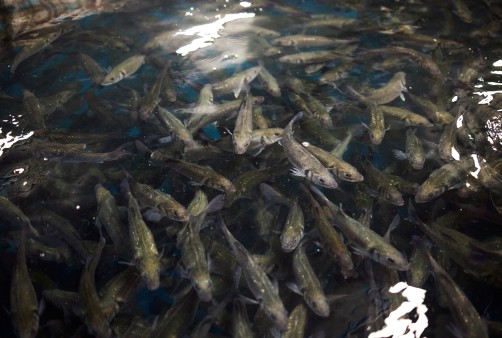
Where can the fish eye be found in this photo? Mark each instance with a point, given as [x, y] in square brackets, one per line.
[273, 317]
[314, 304]
[390, 260]
[348, 175]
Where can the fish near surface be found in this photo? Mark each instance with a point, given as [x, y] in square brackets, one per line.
[449, 176]
[241, 138]
[467, 322]
[145, 251]
[124, 69]
[23, 298]
[305, 164]
[258, 282]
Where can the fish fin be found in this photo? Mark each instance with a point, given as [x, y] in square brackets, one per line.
[153, 215]
[165, 139]
[401, 96]
[365, 125]
[393, 225]
[126, 263]
[399, 154]
[248, 300]
[294, 287]
[297, 172]
[359, 251]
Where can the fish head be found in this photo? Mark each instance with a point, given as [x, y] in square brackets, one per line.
[241, 144]
[346, 264]
[112, 78]
[376, 135]
[203, 285]
[427, 192]
[389, 256]
[350, 174]
[323, 179]
[277, 314]
[417, 160]
[317, 302]
[290, 240]
[393, 196]
[150, 270]
[178, 214]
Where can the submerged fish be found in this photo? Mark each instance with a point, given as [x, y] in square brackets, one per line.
[124, 69]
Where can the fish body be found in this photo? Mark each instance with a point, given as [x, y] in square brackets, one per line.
[313, 57]
[304, 163]
[236, 83]
[297, 322]
[96, 73]
[96, 320]
[343, 170]
[174, 126]
[409, 118]
[269, 82]
[308, 283]
[258, 282]
[388, 92]
[301, 41]
[292, 233]
[243, 130]
[145, 251]
[124, 69]
[34, 110]
[414, 150]
[108, 216]
[197, 173]
[432, 110]
[449, 176]
[151, 98]
[241, 325]
[382, 185]
[466, 318]
[376, 129]
[33, 48]
[447, 146]
[23, 298]
[363, 239]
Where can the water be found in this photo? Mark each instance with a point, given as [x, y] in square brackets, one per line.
[52, 158]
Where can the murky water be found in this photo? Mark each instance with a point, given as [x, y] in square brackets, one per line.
[125, 122]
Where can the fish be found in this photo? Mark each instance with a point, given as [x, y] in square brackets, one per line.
[308, 283]
[385, 94]
[438, 115]
[381, 185]
[257, 281]
[198, 203]
[124, 69]
[236, 83]
[199, 174]
[447, 146]
[95, 317]
[143, 245]
[462, 11]
[305, 164]
[177, 319]
[409, 118]
[243, 130]
[34, 110]
[301, 41]
[313, 57]
[297, 322]
[14, 216]
[364, 240]
[269, 82]
[241, 325]
[449, 176]
[174, 126]
[343, 170]
[193, 253]
[32, 48]
[23, 298]
[108, 216]
[336, 73]
[376, 129]
[151, 98]
[119, 290]
[414, 151]
[466, 319]
[330, 238]
[423, 60]
[292, 232]
[95, 71]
